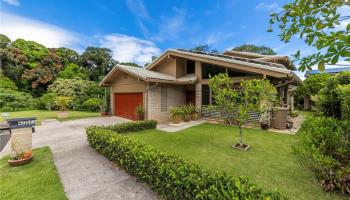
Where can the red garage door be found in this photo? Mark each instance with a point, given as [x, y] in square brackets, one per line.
[125, 104]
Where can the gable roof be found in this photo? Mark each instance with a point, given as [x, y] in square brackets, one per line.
[286, 62]
[147, 75]
[330, 71]
[257, 64]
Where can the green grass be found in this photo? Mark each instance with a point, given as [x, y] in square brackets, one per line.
[36, 180]
[270, 162]
[45, 114]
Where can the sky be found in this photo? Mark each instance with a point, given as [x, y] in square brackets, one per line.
[136, 30]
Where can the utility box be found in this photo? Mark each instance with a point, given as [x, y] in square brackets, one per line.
[21, 134]
[279, 117]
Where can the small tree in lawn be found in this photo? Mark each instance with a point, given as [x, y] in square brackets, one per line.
[62, 102]
[238, 103]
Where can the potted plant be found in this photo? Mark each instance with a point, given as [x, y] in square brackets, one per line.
[140, 113]
[19, 158]
[62, 103]
[176, 114]
[186, 113]
[192, 111]
[103, 110]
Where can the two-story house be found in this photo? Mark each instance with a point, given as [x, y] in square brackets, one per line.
[179, 76]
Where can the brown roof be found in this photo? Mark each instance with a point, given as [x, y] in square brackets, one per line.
[148, 76]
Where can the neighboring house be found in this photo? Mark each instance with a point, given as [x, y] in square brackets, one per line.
[327, 71]
[180, 76]
[308, 102]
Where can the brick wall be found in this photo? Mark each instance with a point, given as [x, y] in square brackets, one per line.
[175, 95]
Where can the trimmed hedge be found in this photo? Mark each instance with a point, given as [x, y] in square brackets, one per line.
[171, 177]
[132, 126]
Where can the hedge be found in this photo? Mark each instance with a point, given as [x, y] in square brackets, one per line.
[132, 126]
[171, 177]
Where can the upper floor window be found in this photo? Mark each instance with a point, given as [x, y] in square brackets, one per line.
[190, 67]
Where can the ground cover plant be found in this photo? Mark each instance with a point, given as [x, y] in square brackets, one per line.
[270, 162]
[132, 126]
[171, 177]
[36, 180]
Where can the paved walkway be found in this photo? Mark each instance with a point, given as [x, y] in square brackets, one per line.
[85, 174]
[171, 127]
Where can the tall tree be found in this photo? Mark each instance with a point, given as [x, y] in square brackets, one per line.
[323, 24]
[66, 55]
[255, 49]
[204, 48]
[98, 61]
[34, 51]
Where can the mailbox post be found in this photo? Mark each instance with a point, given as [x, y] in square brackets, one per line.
[21, 134]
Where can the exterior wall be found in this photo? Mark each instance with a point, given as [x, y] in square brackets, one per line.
[175, 96]
[125, 83]
[180, 67]
[166, 66]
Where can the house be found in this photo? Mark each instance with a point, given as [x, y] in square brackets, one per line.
[308, 103]
[179, 76]
[332, 71]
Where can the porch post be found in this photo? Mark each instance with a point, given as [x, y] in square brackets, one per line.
[285, 96]
[199, 97]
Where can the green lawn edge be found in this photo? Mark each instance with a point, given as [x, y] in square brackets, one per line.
[36, 180]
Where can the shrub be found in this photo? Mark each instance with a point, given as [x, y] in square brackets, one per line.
[132, 126]
[176, 112]
[325, 148]
[11, 100]
[171, 177]
[92, 104]
[46, 102]
[62, 102]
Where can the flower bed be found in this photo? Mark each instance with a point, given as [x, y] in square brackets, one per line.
[171, 177]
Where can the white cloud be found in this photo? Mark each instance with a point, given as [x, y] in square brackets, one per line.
[49, 35]
[171, 27]
[12, 2]
[268, 7]
[139, 10]
[130, 49]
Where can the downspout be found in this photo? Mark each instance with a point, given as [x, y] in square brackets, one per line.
[147, 93]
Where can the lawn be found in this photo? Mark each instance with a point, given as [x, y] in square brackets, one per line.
[36, 180]
[270, 162]
[45, 114]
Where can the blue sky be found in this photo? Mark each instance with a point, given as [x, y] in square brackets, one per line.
[135, 30]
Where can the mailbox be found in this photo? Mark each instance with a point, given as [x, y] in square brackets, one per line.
[21, 133]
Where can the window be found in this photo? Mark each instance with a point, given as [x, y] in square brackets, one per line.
[205, 95]
[163, 99]
[190, 67]
[212, 70]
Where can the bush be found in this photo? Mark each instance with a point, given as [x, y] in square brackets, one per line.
[171, 177]
[11, 100]
[132, 126]
[325, 148]
[46, 102]
[92, 104]
[62, 102]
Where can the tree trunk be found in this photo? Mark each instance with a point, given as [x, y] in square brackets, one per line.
[240, 136]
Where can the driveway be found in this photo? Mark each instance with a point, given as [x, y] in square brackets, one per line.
[84, 173]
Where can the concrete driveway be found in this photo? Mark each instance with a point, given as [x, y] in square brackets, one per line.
[85, 174]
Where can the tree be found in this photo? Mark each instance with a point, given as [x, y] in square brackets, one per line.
[4, 41]
[313, 84]
[130, 64]
[67, 56]
[72, 71]
[62, 102]
[43, 75]
[321, 24]
[255, 49]
[34, 52]
[204, 48]
[98, 62]
[236, 104]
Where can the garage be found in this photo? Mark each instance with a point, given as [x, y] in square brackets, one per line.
[126, 103]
